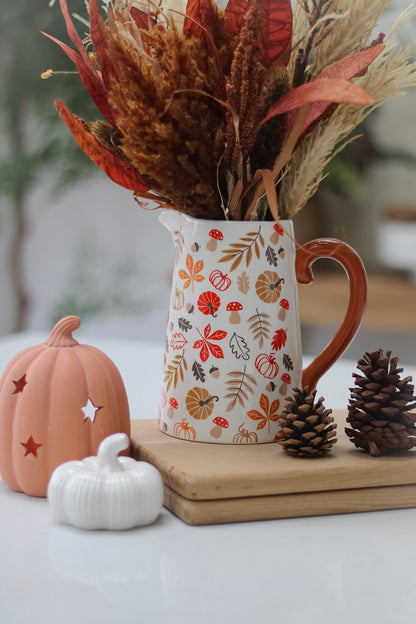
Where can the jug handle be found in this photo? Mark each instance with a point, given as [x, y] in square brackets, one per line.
[353, 266]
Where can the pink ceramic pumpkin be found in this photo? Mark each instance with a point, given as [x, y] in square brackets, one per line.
[58, 401]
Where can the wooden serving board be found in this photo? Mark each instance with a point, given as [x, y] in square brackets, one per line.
[217, 483]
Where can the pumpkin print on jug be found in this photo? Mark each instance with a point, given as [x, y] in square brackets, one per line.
[233, 336]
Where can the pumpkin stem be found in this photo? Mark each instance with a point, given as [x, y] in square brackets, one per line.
[208, 400]
[280, 281]
[61, 335]
[211, 307]
[108, 450]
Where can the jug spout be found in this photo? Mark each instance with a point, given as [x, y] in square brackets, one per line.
[172, 220]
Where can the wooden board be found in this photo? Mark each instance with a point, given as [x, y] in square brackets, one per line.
[216, 483]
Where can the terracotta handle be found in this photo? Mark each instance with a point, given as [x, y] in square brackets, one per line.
[351, 262]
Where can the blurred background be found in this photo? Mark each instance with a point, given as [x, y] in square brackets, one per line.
[72, 242]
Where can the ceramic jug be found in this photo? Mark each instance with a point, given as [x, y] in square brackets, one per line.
[233, 347]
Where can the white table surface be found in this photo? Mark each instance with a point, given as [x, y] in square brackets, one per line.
[335, 569]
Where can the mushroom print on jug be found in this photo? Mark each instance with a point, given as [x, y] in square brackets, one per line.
[233, 348]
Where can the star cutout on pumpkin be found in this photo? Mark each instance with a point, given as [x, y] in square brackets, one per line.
[90, 411]
[31, 447]
[20, 384]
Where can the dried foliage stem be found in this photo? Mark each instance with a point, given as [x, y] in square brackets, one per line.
[229, 113]
[282, 159]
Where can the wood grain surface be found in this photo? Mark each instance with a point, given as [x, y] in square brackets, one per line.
[212, 483]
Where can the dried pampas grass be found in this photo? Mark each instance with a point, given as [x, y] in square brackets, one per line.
[349, 33]
[393, 71]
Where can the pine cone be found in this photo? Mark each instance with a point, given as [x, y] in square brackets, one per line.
[379, 407]
[308, 429]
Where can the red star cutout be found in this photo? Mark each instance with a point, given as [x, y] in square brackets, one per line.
[20, 384]
[31, 447]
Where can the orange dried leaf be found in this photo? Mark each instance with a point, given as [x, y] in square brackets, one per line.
[115, 167]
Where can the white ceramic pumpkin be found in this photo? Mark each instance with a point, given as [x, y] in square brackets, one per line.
[106, 491]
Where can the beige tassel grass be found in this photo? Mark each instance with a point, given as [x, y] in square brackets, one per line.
[393, 71]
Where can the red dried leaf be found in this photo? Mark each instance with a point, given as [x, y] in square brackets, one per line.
[115, 167]
[99, 39]
[73, 34]
[141, 18]
[235, 12]
[195, 18]
[277, 22]
[329, 90]
[90, 79]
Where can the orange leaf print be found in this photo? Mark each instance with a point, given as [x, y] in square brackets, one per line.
[193, 273]
[264, 403]
[270, 413]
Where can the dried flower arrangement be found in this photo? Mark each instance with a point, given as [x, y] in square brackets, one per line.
[230, 114]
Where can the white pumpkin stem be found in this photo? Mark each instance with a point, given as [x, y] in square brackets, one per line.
[61, 335]
[108, 450]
